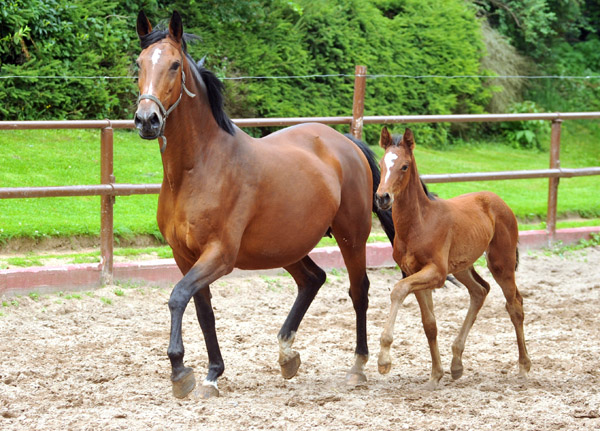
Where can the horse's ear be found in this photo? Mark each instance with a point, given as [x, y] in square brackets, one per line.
[143, 24]
[409, 139]
[385, 139]
[176, 26]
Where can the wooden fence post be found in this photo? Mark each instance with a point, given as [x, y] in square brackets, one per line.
[553, 182]
[358, 104]
[107, 202]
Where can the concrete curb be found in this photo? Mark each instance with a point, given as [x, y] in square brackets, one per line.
[165, 272]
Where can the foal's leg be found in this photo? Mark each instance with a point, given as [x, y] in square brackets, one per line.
[429, 277]
[478, 290]
[309, 278]
[206, 318]
[425, 300]
[502, 265]
[207, 269]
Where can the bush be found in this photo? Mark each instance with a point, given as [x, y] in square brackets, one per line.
[64, 38]
[253, 38]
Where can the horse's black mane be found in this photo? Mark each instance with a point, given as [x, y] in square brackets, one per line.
[214, 87]
[396, 139]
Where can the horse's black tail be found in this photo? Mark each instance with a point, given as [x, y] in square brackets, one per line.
[385, 217]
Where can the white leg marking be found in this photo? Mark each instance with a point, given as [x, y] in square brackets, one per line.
[285, 346]
[209, 383]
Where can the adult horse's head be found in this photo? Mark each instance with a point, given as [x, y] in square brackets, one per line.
[395, 166]
[161, 77]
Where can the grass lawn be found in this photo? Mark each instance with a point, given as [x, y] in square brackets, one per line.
[72, 157]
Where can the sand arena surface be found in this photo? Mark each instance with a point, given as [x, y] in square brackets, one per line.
[97, 360]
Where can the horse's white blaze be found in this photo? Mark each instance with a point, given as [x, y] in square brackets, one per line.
[389, 160]
[156, 56]
[150, 88]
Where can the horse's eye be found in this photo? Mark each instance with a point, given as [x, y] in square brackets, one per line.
[404, 168]
[175, 65]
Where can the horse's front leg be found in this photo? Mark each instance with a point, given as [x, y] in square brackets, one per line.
[206, 318]
[430, 277]
[207, 269]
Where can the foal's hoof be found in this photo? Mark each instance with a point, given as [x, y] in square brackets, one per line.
[206, 391]
[456, 369]
[384, 367]
[183, 383]
[289, 366]
[356, 379]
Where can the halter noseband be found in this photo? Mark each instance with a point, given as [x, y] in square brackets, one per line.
[165, 112]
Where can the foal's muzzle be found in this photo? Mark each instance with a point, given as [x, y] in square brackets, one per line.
[149, 123]
[384, 201]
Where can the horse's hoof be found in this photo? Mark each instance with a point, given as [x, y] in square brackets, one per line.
[431, 385]
[456, 370]
[206, 391]
[290, 366]
[356, 379]
[384, 368]
[183, 383]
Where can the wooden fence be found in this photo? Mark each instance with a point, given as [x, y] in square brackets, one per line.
[108, 188]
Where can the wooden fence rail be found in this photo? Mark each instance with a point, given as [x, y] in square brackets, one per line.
[109, 189]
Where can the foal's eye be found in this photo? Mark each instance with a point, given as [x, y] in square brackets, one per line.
[404, 168]
[175, 65]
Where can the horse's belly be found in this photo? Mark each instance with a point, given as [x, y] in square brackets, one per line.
[277, 248]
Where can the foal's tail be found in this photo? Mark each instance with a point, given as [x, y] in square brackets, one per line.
[385, 217]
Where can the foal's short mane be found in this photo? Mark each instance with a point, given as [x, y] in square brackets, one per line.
[214, 87]
[396, 139]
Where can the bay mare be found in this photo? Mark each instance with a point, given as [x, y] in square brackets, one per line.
[232, 201]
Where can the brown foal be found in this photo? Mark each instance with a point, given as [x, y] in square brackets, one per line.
[436, 237]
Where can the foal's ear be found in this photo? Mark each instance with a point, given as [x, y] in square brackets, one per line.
[409, 139]
[385, 140]
[176, 26]
[143, 24]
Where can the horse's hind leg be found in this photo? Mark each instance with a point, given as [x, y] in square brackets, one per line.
[478, 290]
[425, 300]
[309, 278]
[206, 318]
[355, 261]
[502, 265]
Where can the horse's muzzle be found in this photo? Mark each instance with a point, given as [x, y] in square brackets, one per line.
[384, 201]
[149, 123]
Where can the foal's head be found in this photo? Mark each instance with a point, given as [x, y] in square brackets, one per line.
[395, 166]
[161, 80]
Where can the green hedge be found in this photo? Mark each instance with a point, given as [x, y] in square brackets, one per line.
[252, 38]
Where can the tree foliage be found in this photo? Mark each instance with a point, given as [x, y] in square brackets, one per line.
[415, 40]
[252, 38]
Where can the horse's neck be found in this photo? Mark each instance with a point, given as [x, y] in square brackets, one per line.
[192, 137]
[410, 207]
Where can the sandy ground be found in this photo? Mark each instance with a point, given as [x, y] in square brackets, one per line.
[97, 360]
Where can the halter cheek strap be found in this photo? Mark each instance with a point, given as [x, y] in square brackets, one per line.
[165, 112]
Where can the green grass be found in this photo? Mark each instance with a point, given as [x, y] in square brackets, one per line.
[72, 157]
[580, 147]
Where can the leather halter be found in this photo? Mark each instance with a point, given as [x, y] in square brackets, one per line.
[165, 112]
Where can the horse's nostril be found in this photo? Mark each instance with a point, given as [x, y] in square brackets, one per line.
[154, 121]
[383, 200]
[137, 121]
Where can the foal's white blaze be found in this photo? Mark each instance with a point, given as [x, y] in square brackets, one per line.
[389, 160]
